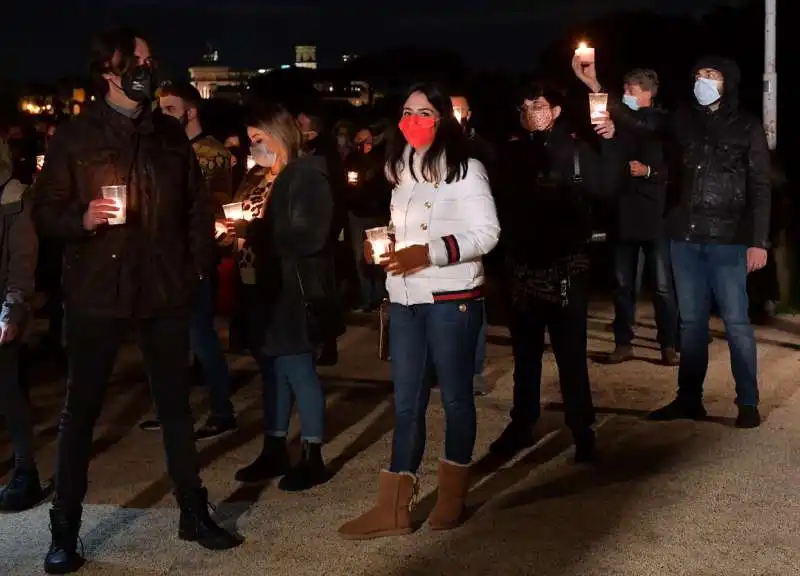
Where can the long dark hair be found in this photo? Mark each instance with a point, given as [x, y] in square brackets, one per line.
[450, 142]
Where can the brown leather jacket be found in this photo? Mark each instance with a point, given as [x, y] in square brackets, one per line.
[150, 265]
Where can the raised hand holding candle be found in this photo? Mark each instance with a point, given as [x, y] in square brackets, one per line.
[585, 54]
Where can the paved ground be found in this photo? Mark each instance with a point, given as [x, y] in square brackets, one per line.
[699, 499]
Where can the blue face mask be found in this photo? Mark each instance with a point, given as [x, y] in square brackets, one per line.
[706, 91]
[262, 155]
[631, 102]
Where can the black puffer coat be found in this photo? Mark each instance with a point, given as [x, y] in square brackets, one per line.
[723, 174]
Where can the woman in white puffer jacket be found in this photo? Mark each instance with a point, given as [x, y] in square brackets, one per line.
[444, 222]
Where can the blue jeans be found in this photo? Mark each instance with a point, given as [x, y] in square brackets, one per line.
[205, 344]
[443, 335]
[626, 269]
[720, 269]
[480, 348]
[286, 379]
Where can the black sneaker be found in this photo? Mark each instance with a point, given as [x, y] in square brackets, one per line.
[271, 463]
[748, 417]
[24, 491]
[679, 409]
[309, 472]
[514, 439]
[153, 425]
[215, 426]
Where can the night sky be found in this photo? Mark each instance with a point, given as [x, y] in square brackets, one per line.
[44, 40]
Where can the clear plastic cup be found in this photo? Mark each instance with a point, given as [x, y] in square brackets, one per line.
[233, 211]
[119, 194]
[598, 107]
[381, 242]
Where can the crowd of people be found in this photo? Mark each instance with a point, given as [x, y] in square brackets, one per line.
[690, 191]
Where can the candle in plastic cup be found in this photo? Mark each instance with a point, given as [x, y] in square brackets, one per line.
[598, 107]
[585, 54]
[352, 178]
[40, 162]
[380, 242]
[233, 211]
[251, 163]
[119, 194]
[458, 114]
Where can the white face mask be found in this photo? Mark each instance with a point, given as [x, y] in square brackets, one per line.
[263, 156]
[706, 91]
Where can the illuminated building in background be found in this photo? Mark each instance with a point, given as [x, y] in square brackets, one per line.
[305, 57]
[210, 78]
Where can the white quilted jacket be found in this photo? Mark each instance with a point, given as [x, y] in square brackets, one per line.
[458, 222]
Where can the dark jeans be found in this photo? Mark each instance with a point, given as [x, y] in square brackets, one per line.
[14, 404]
[443, 335]
[703, 270]
[206, 346]
[285, 379]
[371, 279]
[93, 347]
[657, 264]
[567, 326]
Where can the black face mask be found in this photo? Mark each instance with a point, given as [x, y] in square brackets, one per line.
[138, 84]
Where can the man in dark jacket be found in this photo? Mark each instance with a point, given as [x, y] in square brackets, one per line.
[640, 224]
[141, 273]
[547, 183]
[719, 231]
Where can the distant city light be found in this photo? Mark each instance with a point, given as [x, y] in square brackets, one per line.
[262, 70]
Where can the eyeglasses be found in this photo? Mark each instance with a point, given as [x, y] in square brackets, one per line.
[532, 107]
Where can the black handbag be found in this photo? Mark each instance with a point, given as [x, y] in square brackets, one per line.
[323, 317]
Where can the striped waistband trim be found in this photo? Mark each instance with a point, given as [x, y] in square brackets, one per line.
[471, 294]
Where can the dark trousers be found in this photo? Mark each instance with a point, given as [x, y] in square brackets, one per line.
[658, 267]
[703, 270]
[567, 326]
[93, 346]
[14, 404]
[208, 350]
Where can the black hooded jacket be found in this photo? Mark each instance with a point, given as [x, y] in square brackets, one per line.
[721, 167]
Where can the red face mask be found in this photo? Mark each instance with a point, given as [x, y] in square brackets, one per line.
[419, 131]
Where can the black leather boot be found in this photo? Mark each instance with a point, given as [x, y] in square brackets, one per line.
[309, 472]
[196, 524]
[63, 557]
[271, 463]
